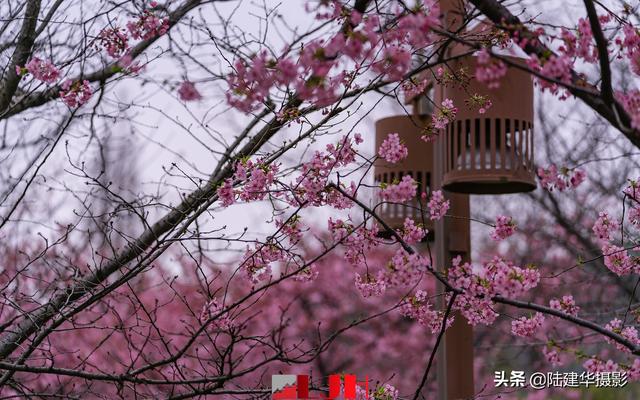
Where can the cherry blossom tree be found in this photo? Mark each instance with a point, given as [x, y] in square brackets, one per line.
[136, 266]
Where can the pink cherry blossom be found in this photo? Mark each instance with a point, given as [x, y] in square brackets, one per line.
[412, 88]
[631, 46]
[211, 309]
[75, 94]
[412, 233]
[488, 71]
[438, 206]
[356, 241]
[557, 67]
[567, 305]
[604, 226]
[147, 26]
[370, 286]
[385, 392]
[479, 283]
[419, 308]
[308, 274]
[631, 103]
[402, 192]
[526, 327]
[551, 178]
[188, 92]
[583, 45]
[392, 149]
[505, 227]
[226, 194]
[445, 114]
[617, 260]
[42, 70]
[595, 365]
[115, 41]
[405, 269]
[258, 178]
[629, 332]
[552, 356]
[257, 262]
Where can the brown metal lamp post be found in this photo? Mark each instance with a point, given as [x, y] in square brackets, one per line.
[490, 153]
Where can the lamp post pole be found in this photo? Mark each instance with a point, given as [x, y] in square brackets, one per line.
[452, 238]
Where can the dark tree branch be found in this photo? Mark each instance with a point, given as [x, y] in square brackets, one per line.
[21, 54]
[612, 112]
[603, 53]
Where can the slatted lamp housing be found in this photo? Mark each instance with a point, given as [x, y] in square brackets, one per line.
[491, 153]
[418, 164]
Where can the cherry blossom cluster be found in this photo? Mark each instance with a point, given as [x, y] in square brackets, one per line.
[188, 92]
[320, 69]
[429, 133]
[311, 185]
[257, 261]
[438, 206]
[630, 101]
[291, 228]
[630, 45]
[526, 327]
[582, 45]
[628, 332]
[419, 308]
[488, 71]
[402, 270]
[307, 274]
[148, 25]
[480, 283]
[595, 365]
[414, 87]
[412, 233]
[400, 192]
[114, 41]
[552, 356]
[445, 114]
[75, 93]
[567, 305]
[405, 269]
[557, 67]
[392, 149]
[386, 392]
[41, 70]
[370, 286]
[604, 226]
[256, 176]
[632, 191]
[618, 260]
[356, 241]
[505, 227]
[221, 322]
[551, 178]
